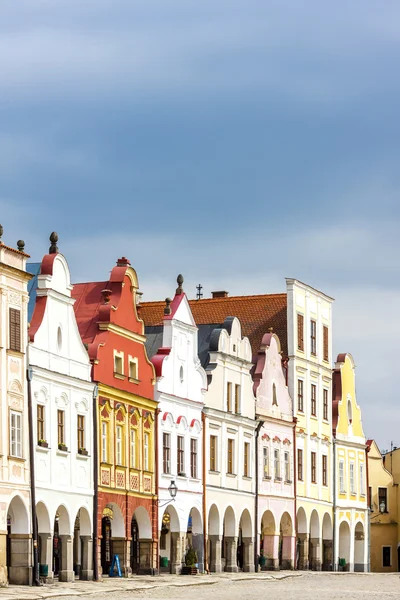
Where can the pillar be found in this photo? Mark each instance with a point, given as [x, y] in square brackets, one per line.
[248, 555]
[315, 547]
[77, 553]
[86, 572]
[177, 548]
[231, 554]
[303, 550]
[20, 569]
[46, 555]
[271, 552]
[146, 562]
[3, 559]
[215, 553]
[327, 558]
[288, 549]
[122, 547]
[198, 545]
[66, 572]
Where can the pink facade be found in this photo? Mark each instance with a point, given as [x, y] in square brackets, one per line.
[276, 490]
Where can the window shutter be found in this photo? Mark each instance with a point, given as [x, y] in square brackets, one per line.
[300, 332]
[15, 329]
[326, 343]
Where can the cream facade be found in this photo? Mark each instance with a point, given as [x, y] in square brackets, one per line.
[15, 511]
[309, 329]
[351, 514]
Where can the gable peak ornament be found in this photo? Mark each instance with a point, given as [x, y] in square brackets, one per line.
[179, 280]
[53, 241]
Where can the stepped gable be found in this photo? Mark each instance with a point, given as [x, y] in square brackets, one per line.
[256, 314]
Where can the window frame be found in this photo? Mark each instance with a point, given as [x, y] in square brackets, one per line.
[104, 441]
[16, 443]
[386, 498]
[133, 447]
[193, 457]
[300, 464]
[325, 345]
[300, 332]
[80, 430]
[325, 470]
[313, 337]
[146, 451]
[60, 426]
[313, 400]
[246, 459]
[277, 464]
[229, 396]
[14, 329]
[385, 547]
[300, 395]
[352, 478]
[313, 467]
[180, 454]
[286, 460]
[325, 404]
[266, 465]
[342, 489]
[118, 445]
[213, 453]
[166, 453]
[230, 457]
[40, 422]
[237, 399]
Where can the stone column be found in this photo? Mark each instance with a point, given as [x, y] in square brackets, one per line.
[271, 552]
[122, 547]
[87, 558]
[77, 553]
[248, 555]
[146, 566]
[327, 560]
[231, 555]
[303, 545]
[215, 554]
[288, 548]
[3, 559]
[198, 545]
[46, 555]
[315, 546]
[66, 572]
[20, 569]
[176, 552]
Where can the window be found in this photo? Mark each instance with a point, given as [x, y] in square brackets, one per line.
[104, 441]
[246, 459]
[15, 434]
[181, 374]
[300, 332]
[133, 368]
[324, 469]
[40, 422]
[237, 399]
[277, 464]
[386, 556]
[118, 445]
[313, 400]
[313, 467]
[287, 466]
[118, 364]
[341, 477]
[382, 498]
[300, 395]
[15, 329]
[146, 452]
[60, 427]
[325, 404]
[266, 462]
[230, 456]
[362, 492]
[193, 458]
[300, 464]
[229, 396]
[133, 448]
[166, 453]
[59, 339]
[313, 330]
[349, 411]
[181, 455]
[370, 504]
[326, 342]
[274, 399]
[81, 431]
[213, 452]
[352, 479]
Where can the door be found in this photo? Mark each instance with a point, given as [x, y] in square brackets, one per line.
[106, 545]
[135, 556]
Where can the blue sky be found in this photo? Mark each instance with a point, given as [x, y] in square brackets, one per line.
[237, 142]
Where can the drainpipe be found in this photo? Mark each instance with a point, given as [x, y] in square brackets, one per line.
[257, 433]
[334, 507]
[29, 374]
[96, 485]
[369, 503]
[157, 487]
[206, 569]
[295, 488]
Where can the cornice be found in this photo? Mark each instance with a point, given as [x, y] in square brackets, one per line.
[117, 395]
[129, 335]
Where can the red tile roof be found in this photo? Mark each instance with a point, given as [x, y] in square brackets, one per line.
[256, 314]
[87, 303]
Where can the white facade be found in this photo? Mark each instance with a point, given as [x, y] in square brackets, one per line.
[62, 394]
[230, 451]
[181, 385]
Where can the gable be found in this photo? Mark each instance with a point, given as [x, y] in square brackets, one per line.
[349, 422]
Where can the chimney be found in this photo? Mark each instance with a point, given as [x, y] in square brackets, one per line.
[220, 294]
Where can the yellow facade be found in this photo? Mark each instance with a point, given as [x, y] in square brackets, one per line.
[384, 520]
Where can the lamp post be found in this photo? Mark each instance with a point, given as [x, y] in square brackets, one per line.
[173, 490]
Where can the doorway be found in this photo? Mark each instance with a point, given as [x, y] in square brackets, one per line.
[106, 544]
[135, 556]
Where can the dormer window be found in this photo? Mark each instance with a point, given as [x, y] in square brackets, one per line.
[274, 398]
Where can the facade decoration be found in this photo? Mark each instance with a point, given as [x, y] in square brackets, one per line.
[351, 512]
[62, 407]
[181, 385]
[15, 511]
[275, 459]
[108, 321]
[384, 509]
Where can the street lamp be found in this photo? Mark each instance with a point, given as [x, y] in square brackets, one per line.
[173, 490]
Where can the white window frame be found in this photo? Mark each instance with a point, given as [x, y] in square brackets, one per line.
[120, 356]
[132, 361]
[167, 447]
[266, 467]
[287, 465]
[16, 433]
[118, 445]
[277, 463]
[341, 477]
[104, 447]
[133, 451]
[352, 478]
[146, 451]
[362, 482]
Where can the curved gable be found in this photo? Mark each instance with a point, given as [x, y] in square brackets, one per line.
[347, 420]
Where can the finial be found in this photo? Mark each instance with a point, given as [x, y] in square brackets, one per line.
[53, 239]
[1, 232]
[106, 295]
[179, 280]
[21, 245]
[167, 309]
[270, 330]
[123, 262]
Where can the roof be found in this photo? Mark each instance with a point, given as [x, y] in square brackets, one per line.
[88, 299]
[34, 269]
[256, 314]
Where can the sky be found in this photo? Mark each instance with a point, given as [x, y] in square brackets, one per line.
[236, 142]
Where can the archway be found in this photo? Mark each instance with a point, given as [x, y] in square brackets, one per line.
[194, 536]
[286, 542]
[327, 543]
[229, 547]
[45, 542]
[169, 524]
[314, 555]
[18, 546]
[112, 532]
[269, 542]
[302, 545]
[245, 543]
[214, 540]
[142, 542]
[83, 550]
[359, 542]
[344, 545]
[63, 546]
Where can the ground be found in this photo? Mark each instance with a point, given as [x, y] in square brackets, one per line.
[279, 586]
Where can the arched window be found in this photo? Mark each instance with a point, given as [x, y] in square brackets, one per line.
[349, 411]
[274, 398]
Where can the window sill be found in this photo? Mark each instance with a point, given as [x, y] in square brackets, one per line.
[42, 449]
[313, 354]
[62, 452]
[214, 472]
[300, 480]
[267, 477]
[119, 376]
[362, 495]
[247, 478]
[299, 410]
[278, 479]
[133, 380]
[106, 464]
[231, 475]
[82, 456]
[353, 493]
[288, 481]
[16, 458]
[120, 467]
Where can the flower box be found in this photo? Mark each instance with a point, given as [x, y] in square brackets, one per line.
[83, 451]
[63, 447]
[43, 444]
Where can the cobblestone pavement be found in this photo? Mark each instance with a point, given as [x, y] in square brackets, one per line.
[279, 586]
